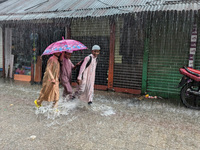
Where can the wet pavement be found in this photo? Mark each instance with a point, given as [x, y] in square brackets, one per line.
[115, 121]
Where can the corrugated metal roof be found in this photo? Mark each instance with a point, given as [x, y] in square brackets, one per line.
[48, 9]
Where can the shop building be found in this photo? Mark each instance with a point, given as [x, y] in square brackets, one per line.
[143, 43]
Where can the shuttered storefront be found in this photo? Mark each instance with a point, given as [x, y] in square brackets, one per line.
[129, 47]
[169, 45]
[90, 32]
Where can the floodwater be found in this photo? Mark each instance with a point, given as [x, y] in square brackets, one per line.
[115, 121]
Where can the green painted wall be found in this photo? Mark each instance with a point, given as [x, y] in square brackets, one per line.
[168, 45]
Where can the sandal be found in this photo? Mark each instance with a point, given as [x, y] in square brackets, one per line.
[36, 104]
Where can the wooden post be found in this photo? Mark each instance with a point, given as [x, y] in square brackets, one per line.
[32, 72]
[34, 38]
[68, 34]
[112, 54]
[7, 50]
[38, 70]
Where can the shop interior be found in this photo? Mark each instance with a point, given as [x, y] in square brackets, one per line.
[28, 45]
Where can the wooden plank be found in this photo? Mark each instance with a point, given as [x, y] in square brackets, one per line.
[21, 77]
[38, 70]
[125, 90]
[98, 87]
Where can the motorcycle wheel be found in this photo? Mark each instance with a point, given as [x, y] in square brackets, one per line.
[188, 99]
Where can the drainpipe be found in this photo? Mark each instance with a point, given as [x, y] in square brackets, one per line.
[3, 36]
[112, 53]
[145, 66]
[146, 52]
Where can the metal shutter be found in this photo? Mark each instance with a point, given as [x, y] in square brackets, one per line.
[92, 31]
[168, 51]
[128, 52]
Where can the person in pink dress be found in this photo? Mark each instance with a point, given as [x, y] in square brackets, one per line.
[66, 73]
[86, 77]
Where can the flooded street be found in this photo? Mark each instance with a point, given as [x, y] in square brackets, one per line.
[115, 121]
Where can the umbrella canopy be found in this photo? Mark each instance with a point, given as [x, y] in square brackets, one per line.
[65, 45]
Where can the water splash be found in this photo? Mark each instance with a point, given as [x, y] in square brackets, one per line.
[103, 109]
[65, 107]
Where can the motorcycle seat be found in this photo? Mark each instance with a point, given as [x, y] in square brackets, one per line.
[190, 72]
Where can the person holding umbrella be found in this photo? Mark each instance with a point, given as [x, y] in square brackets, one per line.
[66, 73]
[86, 76]
[50, 84]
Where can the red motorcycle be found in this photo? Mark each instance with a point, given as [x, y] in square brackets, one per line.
[190, 91]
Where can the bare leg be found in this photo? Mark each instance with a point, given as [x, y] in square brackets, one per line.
[55, 104]
[78, 92]
[39, 102]
[67, 90]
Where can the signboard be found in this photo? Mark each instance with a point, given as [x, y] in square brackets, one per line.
[193, 46]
